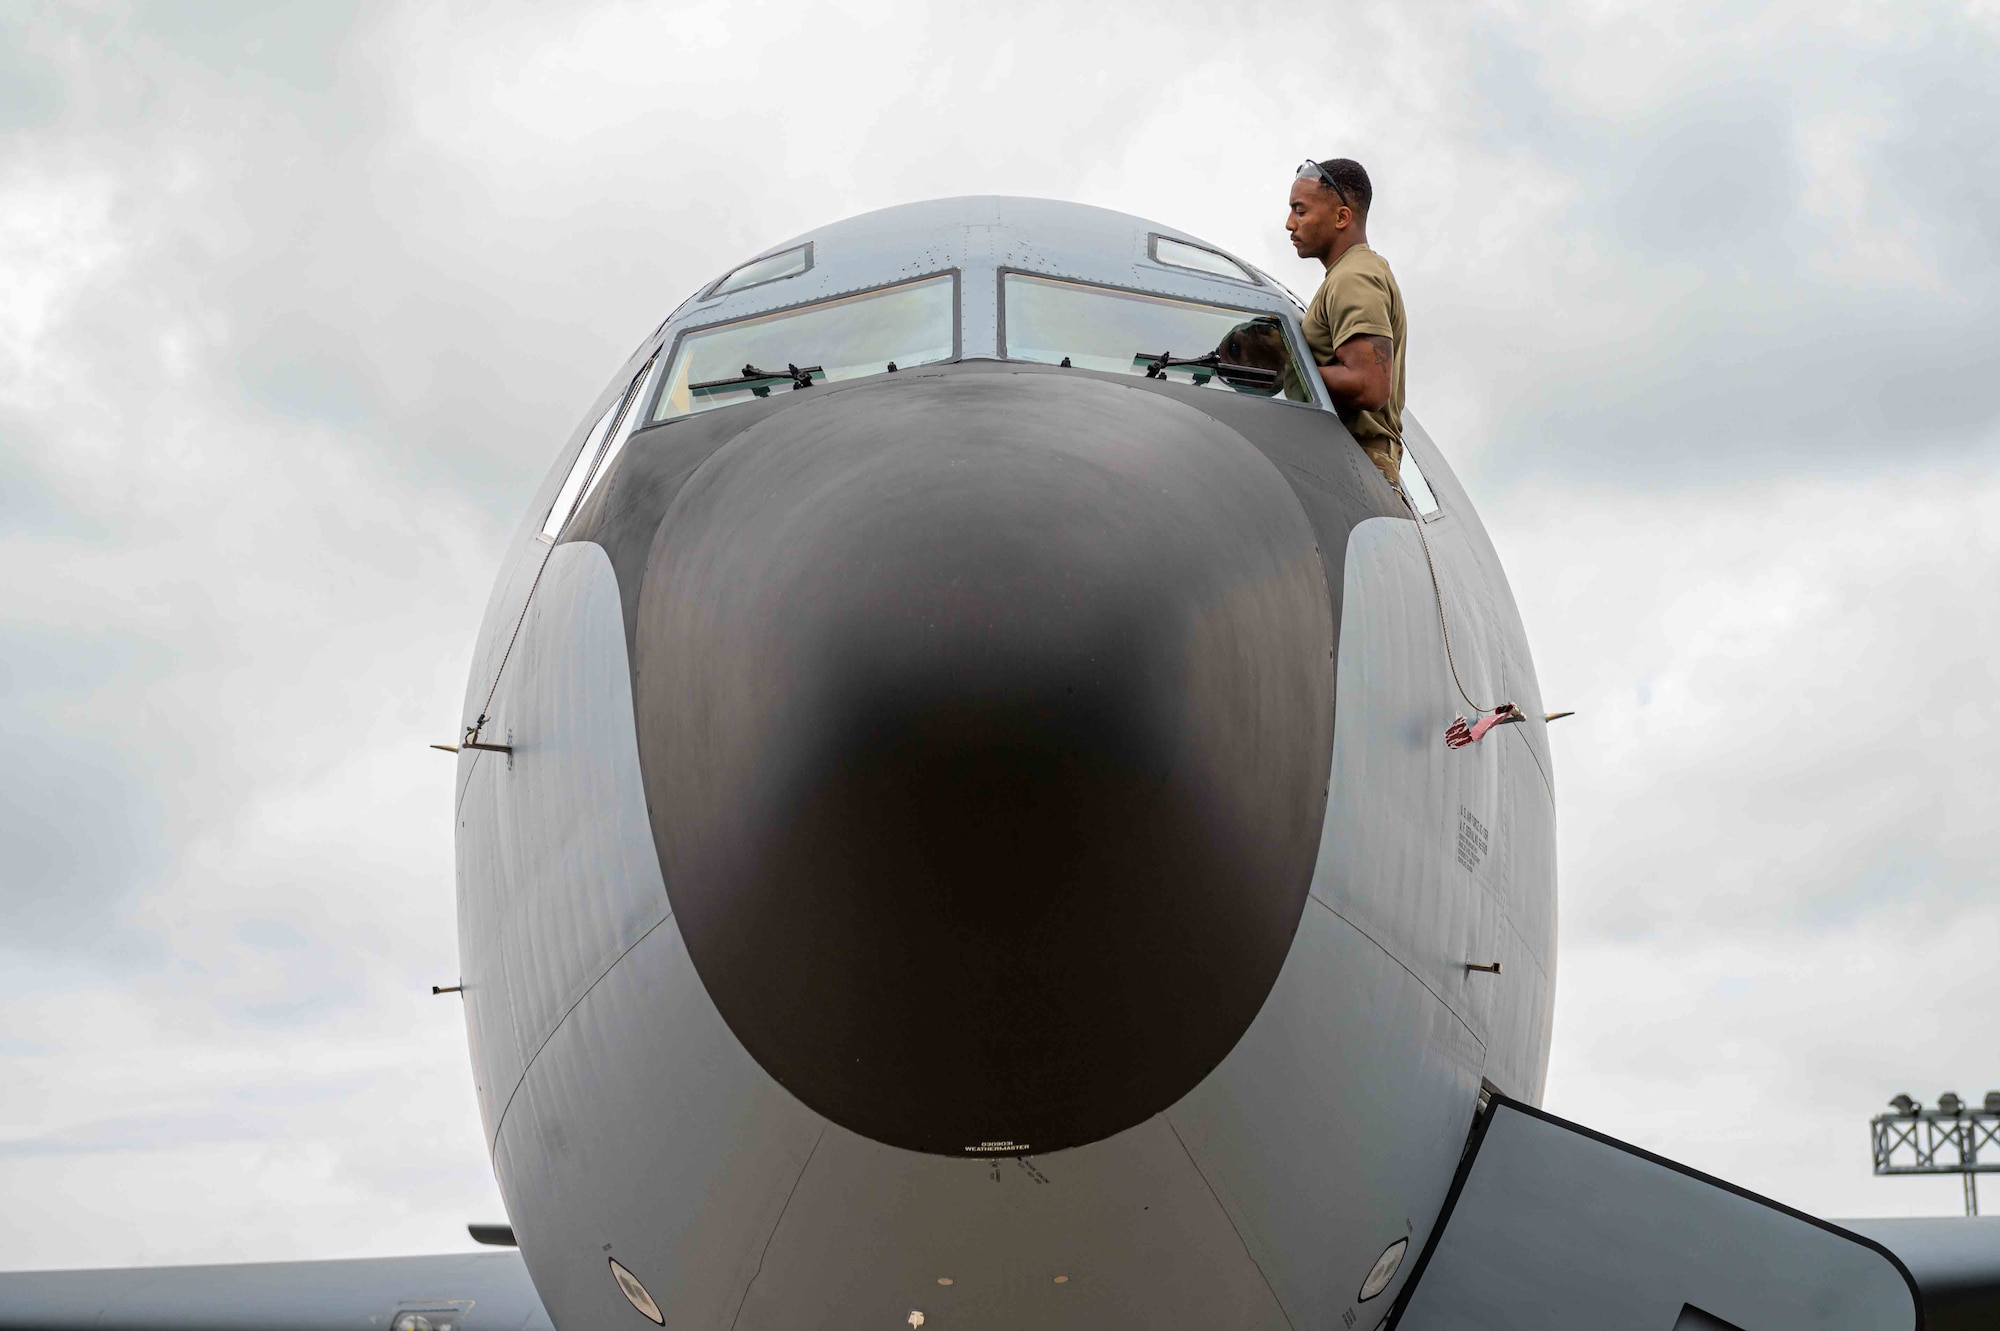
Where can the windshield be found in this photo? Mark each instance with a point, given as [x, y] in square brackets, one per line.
[893, 328]
[1097, 328]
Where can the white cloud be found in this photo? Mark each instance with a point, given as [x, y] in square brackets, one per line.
[55, 237]
[1783, 691]
[1774, 806]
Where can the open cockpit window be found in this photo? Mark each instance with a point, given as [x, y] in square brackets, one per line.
[1179, 254]
[770, 268]
[912, 323]
[1126, 332]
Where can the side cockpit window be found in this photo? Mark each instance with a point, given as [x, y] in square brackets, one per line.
[872, 332]
[600, 449]
[1060, 322]
[770, 268]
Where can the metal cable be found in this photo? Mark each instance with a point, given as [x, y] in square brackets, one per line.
[1437, 594]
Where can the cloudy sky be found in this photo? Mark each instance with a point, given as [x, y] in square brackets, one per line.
[296, 303]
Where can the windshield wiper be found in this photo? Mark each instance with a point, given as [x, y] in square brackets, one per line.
[1156, 367]
[761, 382]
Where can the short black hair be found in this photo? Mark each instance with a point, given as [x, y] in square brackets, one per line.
[1352, 178]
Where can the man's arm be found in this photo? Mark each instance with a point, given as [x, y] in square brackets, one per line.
[1360, 375]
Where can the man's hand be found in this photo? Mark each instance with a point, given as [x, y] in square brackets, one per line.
[1362, 371]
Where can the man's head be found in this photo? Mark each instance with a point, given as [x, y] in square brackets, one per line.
[1329, 208]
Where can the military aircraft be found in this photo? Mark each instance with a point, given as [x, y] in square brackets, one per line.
[978, 807]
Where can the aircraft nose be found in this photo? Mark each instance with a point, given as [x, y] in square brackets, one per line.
[985, 722]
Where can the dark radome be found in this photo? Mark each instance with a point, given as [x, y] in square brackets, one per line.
[985, 723]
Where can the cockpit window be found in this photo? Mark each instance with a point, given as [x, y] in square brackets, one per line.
[1180, 254]
[1124, 332]
[785, 263]
[892, 328]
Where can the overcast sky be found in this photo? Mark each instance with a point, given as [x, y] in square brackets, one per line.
[296, 303]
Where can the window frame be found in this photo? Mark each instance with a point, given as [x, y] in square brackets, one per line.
[621, 434]
[1153, 239]
[713, 291]
[673, 348]
[1294, 336]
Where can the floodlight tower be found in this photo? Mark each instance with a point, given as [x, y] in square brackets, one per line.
[1916, 1140]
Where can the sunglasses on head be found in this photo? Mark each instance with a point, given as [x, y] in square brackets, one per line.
[1312, 170]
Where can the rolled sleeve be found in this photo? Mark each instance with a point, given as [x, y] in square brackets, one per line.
[1357, 305]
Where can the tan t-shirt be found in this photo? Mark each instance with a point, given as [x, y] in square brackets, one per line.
[1360, 296]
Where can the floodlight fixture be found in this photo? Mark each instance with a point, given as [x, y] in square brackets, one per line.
[1903, 1104]
[1949, 1103]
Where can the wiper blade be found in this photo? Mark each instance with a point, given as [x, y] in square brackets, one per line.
[1156, 367]
[760, 382]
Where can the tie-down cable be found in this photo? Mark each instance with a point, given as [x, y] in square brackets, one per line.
[1459, 734]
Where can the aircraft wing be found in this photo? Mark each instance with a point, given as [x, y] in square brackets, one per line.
[1552, 1227]
[448, 1292]
[1956, 1262]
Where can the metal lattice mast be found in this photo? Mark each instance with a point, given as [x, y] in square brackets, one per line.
[1953, 1138]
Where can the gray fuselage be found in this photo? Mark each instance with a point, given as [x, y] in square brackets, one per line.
[977, 840]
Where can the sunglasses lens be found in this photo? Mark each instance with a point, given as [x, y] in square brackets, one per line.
[1312, 171]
